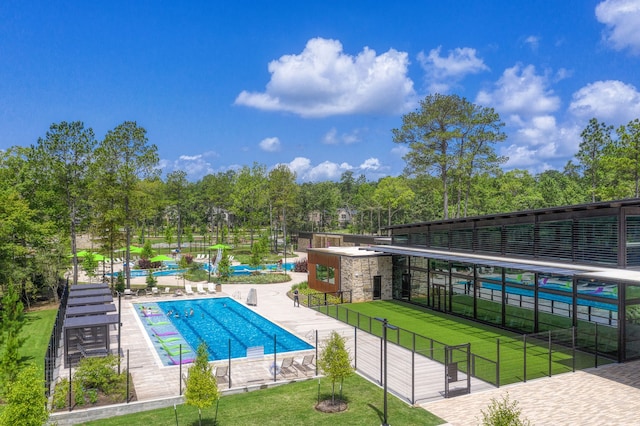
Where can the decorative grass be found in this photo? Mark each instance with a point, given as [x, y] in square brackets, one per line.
[290, 404]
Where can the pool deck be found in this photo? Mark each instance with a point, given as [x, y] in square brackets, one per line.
[606, 395]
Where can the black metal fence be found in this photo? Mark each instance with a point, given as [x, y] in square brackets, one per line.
[51, 355]
[324, 299]
[503, 361]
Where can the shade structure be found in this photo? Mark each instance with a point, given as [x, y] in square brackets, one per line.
[132, 249]
[219, 246]
[161, 258]
[81, 253]
[100, 258]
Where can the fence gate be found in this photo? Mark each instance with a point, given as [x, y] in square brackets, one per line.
[457, 380]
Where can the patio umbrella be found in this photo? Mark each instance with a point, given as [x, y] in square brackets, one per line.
[132, 249]
[81, 253]
[161, 258]
[100, 258]
[219, 246]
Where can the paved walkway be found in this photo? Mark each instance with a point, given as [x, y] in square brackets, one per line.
[607, 395]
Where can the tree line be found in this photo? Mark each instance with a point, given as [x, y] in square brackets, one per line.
[68, 184]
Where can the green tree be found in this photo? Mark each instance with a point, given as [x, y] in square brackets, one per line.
[450, 138]
[123, 158]
[177, 194]
[283, 194]
[250, 197]
[224, 267]
[11, 323]
[393, 193]
[89, 264]
[596, 138]
[335, 361]
[25, 401]
[202, 388]
[64, 158]
[503, 413]
[625, 160]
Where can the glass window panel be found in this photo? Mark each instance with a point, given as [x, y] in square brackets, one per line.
[325, 274]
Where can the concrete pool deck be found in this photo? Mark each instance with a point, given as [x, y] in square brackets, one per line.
[606, 395]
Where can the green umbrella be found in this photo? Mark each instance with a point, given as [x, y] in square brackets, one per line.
[81, 253]
[100, 258]
[220, 246]
[161, 258]
[132, 249]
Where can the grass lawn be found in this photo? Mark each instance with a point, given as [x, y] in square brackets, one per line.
[290, 404]
[37, 331]
[449, 330]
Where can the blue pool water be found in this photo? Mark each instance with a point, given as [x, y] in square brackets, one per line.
[219, 322]
[237, 270]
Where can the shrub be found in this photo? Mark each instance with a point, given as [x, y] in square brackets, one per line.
[78, 392]
[503, 413]
[98, 373]
[301, 266]
[61, 394]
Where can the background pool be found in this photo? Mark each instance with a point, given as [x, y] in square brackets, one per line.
[220, 322]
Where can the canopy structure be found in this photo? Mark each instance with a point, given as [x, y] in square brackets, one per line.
[88, 321]
[219, 246]
[161, 258]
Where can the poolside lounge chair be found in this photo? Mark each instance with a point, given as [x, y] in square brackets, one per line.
[167, 290]
[200, 288]
[222, 374]
[188, 290]
[286, 367]
[176, 360]
[155, 291]
[307, 365]
[211, 288]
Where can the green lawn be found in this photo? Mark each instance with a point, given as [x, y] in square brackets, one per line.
[37, 331]
[290, 404]
[438, 329]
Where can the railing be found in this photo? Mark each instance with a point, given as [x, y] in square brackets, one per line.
[330, 298]
[520, 355]
[54, 341]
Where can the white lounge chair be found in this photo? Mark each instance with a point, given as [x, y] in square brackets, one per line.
[188, 290]
[211, 288]
[200, 288]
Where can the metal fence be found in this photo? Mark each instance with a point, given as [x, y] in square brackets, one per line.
[503, 361]
[51, 356]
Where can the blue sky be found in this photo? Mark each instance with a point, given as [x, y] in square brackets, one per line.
[316, 85]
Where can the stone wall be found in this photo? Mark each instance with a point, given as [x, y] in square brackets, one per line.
[357, 275]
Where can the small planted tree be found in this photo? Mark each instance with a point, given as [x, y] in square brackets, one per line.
[503, 413]
[335, 362]
[202, 388]
[224, 267]
[151, 280]
[89, 264]
[25, 402]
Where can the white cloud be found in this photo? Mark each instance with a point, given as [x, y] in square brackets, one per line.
[520, 93]
[270, 144]
[443, 72]
[323, 81]
[528, 105]
[400, 150]
[370, 164]
[622, 21]
[533, 42]
[332, 137]
[196, 166]
[611, 101]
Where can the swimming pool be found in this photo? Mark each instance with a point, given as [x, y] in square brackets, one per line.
[225, 325]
